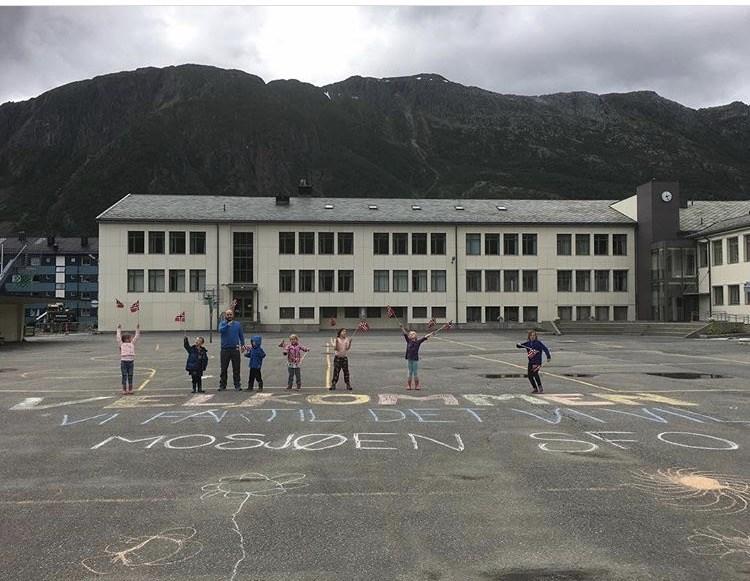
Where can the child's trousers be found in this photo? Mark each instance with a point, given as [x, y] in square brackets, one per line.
[294, 373]
[533, 375]
[255, 374]
[196, 376]
[340, 364]
[126, 369]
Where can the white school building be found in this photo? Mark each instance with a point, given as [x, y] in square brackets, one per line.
[309, 262]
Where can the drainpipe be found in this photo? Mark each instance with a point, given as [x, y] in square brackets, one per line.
[455, 266]
[709, 251]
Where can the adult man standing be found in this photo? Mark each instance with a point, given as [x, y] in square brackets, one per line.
[232, 342]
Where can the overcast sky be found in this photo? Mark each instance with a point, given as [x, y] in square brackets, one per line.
[698, 56]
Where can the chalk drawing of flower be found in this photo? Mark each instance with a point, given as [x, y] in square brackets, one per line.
[166, 547]
[721, 542]
[245, 486]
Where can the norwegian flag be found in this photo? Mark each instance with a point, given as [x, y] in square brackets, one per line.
[363, 326]
[119, 305]
[531, 353]
[235, 302]
[390, 312]
[180, 317]
[332, 322]
[135, 307]
[431, 323]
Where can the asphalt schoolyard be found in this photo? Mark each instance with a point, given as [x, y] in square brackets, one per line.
[634, 464]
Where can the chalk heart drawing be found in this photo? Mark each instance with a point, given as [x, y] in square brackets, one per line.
[721, 542]
[243, 487]
[696, 490]
[166, 547]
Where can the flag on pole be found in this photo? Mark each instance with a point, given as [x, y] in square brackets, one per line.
[431, 323]
[450, 325]
[235, 302]
[180, 318]
[390, 312]
[332, 322]
[119, 305]
[135, 307]
[363, 326]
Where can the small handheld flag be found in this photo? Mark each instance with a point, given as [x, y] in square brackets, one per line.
[180, 318]
[119, 305]
[135, 307]
[531, 353]
[363, 326]
[450, 325]
[431, 323]
[391, 313]
[332, 322]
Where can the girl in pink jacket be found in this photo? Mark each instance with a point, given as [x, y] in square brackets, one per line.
[127, 357]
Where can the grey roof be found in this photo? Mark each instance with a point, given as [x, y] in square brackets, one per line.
[725, 226]
[37, 245]
[194, 208]
[701, 214]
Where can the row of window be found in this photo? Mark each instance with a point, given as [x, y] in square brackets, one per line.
[369, 313]
[508, 281]
[383, 281]
[157, 242]
[157, 279]
[733, 295]
[717, 251]
[70, 260]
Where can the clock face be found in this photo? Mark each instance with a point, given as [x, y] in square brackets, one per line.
[666, 196]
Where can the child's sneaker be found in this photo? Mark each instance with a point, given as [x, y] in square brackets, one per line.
[332, 388]
[200, 390]
[260, 388]
[348, 388]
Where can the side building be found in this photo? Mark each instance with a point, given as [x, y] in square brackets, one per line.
[309, 262]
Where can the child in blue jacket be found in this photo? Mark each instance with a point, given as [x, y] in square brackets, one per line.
[197, 362]
[256, 354]
[534, 348]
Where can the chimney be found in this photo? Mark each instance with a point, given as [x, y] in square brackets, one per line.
[305, 188]
[22, 236]
[50, 240]
[282, 200]
[84, 241]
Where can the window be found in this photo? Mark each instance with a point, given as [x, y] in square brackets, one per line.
[718, 295]
[419, 243]
[510, 314]
[689, 262]
[473, 244]
[307, 242]
[564, 281]
[380, 243]
[380, 281]
[734, 294]
[565, 313]
[242, 256]
[437, 243]
[156, 242]
[474, 281]
[564, 245]
[307, 312]
[197, 281]
[530, 314]
[374, 312]
[135, 281]
[717, 253]
[747, 296]
[601, 244]
[703, 254]
[346, 281]
[601, 281]
[510, 244]
[286, 312]
[306, 281]
[510, 281]
[177, 243]
[530, 284]
[583, 313]
[419, 312]
[325, 244]
[177, 281]
[583, 281]
[492, 281]
[529, 244]
[747, 247]
[583, 244]
[325, 281]
[620, 281]
[156, 281]
[491, 314]
[352, 313]
[438, 312]
[400, 243]
[401, 281]
[346, 242]
[492, 244]
[473, 314]
[620, 246]
[135, 242]
[419, 281]
[733, 250]
[602, 313]
[197, 243]
[286, 242]
[286, 281]
[620, 313]
[438, 284]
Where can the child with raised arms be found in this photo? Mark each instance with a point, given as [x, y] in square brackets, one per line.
[412, 355]
[534, 348]
[294, 356]
[126, 343]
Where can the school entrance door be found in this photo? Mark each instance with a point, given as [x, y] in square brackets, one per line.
[244, 297]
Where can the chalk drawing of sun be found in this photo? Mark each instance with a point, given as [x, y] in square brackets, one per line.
[715, 542]
[696, 490]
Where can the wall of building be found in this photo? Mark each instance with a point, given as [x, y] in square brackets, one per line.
[728, 274]
[158, 309]
[11, 322]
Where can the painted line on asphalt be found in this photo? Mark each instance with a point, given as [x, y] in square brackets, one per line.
[478, 347]
[148, 379]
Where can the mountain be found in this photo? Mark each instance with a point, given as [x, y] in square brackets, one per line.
[68, 154]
